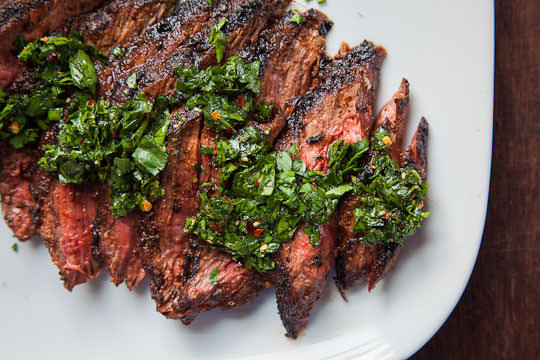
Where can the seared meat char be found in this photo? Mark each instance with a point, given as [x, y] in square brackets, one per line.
[182, 39]
[341, 108]
[276, 50]
[118, 22]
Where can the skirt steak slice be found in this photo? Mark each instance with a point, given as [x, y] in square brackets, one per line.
[340, 107]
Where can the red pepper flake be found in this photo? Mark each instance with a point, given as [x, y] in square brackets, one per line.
[258, 232]
[228, 198]
[114, 133]
[81, 140]
[215, 115]
[258, 182]
[229, 129]
[215, 150]
[90, 102]
[241, 101]
[174, 92]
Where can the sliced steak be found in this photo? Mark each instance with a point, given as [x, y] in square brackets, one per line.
[32, 19]
[354, 260]
[290, 54]
[80, 203]
[119, 23]
[116, 240]
[163, 243]
[182, 39]
[236, 286]
[340, 107]
[66, 214]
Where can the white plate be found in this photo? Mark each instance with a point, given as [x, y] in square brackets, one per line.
[445, 49]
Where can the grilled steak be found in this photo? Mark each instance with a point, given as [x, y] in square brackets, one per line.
[289, 54]
[339, 107]
[72, 252]
[116, 242]
[354, 260]
[359, 263]
[182, 39]
[32, 19]
[118, 22]
[163, 243]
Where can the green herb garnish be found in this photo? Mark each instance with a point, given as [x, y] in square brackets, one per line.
[296, 18]
[225, 94]
[131, 81]
[15, 247]
[218, 37]
[66, 77]
[214, 276]
[122, 145]
[266, 195]
[118, 52]
[392, 199]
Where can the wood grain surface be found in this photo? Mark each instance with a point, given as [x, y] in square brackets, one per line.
[498, 316]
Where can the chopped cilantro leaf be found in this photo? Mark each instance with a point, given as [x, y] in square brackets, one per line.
[214, 276]
[296, 18]
[218, 37]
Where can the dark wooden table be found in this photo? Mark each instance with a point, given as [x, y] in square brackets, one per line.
[498, 316]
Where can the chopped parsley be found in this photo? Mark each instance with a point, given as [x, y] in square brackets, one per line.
[121, 145]
[218, 37]
[15, 247]
[214, 276]
[296, 17]
[66, 77]
[225, 94]
[131, 81]
[267, 195]
[118, 52]
[392, 199]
